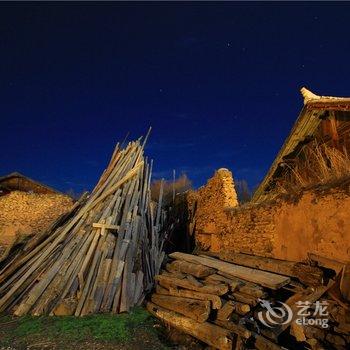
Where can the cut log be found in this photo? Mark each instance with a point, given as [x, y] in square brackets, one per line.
[214, 299]
[235, 328]
[175, 274]
[198, 310]
[194, 281]
[233, 283]
[245, 298]
[225, 312]
[314, 332]
[262, 343]
[197, 270]
[240, 308]
[270, 333]
[335, 265]
[169, 282]
[66, 307]
[252, 291]
[335, 339]
[314, 344]
[239, 343]
[208, 333]
[298, 332]
[266, 279]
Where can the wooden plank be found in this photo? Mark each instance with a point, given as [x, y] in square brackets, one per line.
[262, 343]
[198, 310]
[208, 333]
[230, 307]
[173, 282]
[266, 279]
[197, 270]
[280, 267]
[105, 226]
[225, 312]
[138, 286]
[233, 283]
[345, 282]
[235, 328]
[253, 291]
[245, 298]
[214, 299]
[310, 275]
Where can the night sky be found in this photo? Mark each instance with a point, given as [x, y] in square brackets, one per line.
[218, 82]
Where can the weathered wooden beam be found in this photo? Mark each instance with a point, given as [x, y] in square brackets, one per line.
[198, 310]
[245, 298]
[197, 270]
[230, 307]
[167, 282]
[214, 299]
[345, 282]
[235, 328]
[105, 226]
[310, 275]
[262, 343]
[208, 333]
[266, 279]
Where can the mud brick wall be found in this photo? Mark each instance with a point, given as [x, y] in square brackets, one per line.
[316, 221]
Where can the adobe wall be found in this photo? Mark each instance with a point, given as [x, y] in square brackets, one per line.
[315, 221]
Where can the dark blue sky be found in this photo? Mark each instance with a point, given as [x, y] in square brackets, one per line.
[218, 82]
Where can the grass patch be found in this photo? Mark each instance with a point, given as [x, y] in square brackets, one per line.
[105, 328]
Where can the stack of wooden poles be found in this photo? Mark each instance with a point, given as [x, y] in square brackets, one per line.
[100, 258]
[223, 301]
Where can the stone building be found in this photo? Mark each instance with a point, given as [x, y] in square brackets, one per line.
[300, 221]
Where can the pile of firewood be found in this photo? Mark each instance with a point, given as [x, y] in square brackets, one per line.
[102, 257]
[236, 303]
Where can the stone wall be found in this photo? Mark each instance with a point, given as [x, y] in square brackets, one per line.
[212, 201]
[316, 221]
[25, 214]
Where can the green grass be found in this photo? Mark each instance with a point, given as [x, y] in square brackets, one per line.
[106, 328]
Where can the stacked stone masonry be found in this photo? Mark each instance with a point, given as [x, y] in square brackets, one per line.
[316, 221]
